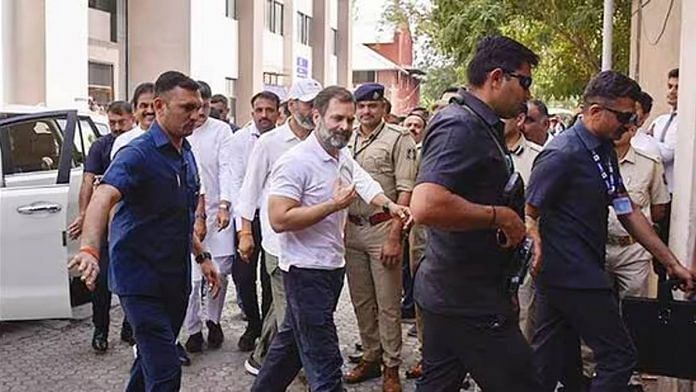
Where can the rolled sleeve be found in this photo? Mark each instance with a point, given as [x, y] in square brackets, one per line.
[548, 177]
[450, 153]
[286, 181]
[125, 172]
[405, 164]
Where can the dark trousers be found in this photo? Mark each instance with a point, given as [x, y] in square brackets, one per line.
[308, 335]
[408, 305]
[156, 322]
[101, 297]
[491, 348]
[245, 275]
[566, 315]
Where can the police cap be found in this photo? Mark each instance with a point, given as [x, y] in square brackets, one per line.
[369, 92]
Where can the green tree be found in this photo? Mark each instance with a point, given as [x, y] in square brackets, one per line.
[567, 34]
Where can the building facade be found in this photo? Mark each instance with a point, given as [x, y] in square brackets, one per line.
[67, 53]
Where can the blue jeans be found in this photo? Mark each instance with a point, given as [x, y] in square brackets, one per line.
[156, 323]
[308, 336]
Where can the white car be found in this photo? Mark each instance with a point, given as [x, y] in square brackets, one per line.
[39, 187]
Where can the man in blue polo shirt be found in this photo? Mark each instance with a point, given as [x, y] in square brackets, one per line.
[574, 180]
[153, 183]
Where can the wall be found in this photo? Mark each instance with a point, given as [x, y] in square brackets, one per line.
[4, 48]
[651, 58]
[214, 44]
[27, 52]
[159, 38]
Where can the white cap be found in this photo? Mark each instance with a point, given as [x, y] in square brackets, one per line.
[305, 90]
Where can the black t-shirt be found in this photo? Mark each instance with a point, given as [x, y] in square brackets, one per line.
[99, 156]
[567, 189]
[463, 271]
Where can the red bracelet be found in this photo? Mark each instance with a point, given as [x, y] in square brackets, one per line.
[90, 251]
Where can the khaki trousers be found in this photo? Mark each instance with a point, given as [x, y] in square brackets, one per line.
[375, 291]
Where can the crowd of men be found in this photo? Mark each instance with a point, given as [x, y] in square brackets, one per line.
[177, 201]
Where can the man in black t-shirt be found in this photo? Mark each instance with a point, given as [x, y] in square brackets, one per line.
[121, 120]
[468, 316]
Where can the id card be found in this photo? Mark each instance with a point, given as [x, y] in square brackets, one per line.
[622, 205]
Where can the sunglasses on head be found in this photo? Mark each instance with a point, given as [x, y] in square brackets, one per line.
[525, 81]
[622, 117]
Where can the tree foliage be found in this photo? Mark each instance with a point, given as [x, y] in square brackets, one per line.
[567, 34]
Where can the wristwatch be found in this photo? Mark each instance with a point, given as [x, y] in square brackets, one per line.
[203, 257]
[385, 207]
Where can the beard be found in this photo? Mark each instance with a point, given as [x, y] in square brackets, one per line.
[333, 138]
[305, 122]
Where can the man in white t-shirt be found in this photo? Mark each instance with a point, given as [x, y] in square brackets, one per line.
[311, 187]
[664, 128]
[144, 114]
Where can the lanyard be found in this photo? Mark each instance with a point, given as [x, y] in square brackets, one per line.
[357, 150]
[611, 181]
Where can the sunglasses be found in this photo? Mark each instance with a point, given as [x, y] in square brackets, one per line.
[622, 117]
[525, 81]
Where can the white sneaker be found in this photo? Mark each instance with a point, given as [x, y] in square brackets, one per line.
[252, 367]
[135, 351]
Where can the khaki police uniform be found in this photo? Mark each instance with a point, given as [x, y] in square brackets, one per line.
[389, 155]
[523, 155]
[628, 263]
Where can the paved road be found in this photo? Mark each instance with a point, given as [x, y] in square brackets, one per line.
[56, 355]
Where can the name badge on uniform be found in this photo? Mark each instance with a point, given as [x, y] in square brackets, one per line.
[622, 205]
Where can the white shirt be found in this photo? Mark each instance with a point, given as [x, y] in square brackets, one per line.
[308, 174]
[254, 193]
[666, 137]
[211, 146]
[124, 139]
[240, 148]
[646, 143]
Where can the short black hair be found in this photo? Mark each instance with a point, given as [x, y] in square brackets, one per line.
[423, 111]
[341, 94]
[142, 88]
[543, 110]
[646, 102]
[217, 98]
[450, 90]
[284, 108]
[387, 106]
[673, 73]
[120, 108]
[610, 85]
[498, 51]
[267, 95]
[170, 80]
[205, 90]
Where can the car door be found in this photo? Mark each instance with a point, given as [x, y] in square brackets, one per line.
[33, 215]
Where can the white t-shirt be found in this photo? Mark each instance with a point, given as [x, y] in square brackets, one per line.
[664, 130]
[308, 174]
[124, 139]
[646, 143]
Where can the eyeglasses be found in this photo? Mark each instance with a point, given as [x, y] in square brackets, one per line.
[525, 81]
[622, 117]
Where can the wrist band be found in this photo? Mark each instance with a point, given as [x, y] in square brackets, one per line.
[90, 251]
[492, 224]
[245, 232]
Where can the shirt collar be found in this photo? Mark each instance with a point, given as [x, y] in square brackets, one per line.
[519, 146]
[323, 154]
[287, 133]
[630, 156]
[590, 140]
[161, 138]
[481, 108]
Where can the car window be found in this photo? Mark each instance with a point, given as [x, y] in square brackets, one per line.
[102, 128]
[31, 146]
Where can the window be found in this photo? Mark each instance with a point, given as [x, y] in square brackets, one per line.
[303, 28]
[231, 9]
[272, 79]
[110, 7]
[231, 91]
[360, 77]
[334, 41]
[274, 16]
[101, 84]
[31, 146]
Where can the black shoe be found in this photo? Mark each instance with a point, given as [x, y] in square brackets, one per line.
[408, 313]
[183, 357]
[194, 344]
[355, 358]
[215, 335]
[127, 333]
[100, 340]
[247, 342]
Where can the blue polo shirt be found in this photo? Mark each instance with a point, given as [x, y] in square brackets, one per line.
[568, 190]
[150, 236]
[462, 272]
[99, 155]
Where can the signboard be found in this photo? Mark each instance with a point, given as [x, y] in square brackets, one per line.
[302, 67]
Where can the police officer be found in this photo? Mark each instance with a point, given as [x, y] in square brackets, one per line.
[155, 181]
[574, 181]
[468, 320]
[373, 239]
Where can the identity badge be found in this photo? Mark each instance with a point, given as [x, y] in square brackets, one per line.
[622, 205]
